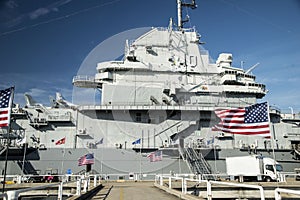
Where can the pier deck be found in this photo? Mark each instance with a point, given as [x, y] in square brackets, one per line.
[163, 190]
[132, 191]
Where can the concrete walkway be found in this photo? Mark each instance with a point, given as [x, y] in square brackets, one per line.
[132, 191]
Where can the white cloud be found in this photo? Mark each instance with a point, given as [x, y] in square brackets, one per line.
[11, 4]
[39, 12]
[35, 14]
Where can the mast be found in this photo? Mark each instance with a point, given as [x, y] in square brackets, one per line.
[180, 4]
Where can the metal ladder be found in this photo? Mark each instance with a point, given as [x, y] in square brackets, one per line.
[198, 164]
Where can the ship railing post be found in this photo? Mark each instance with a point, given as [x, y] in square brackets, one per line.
[85, 186]
[209, 194]
[60, 191]
[78, 186]
[12, 195]
[95, 180]
[161, 180]
[184, 186]
[88, 181]
[170, 182]
[19, 179]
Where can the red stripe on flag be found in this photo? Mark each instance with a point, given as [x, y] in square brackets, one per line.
[4, 125]
[3, 112]
[251, 120]
[3, 118]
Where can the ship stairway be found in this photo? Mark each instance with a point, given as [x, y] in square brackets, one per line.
[170, 128]
[167, 125]
[297, 152]
[198, 164]
[27, 167]
[2, 150]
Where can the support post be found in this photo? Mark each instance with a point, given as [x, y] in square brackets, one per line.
[60, 191]
[78, 187]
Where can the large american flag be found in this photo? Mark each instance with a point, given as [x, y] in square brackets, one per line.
[155, 156]
[5, 106]
[86, 159]
[251, 120]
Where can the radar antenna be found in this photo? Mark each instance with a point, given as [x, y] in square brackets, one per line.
[180, 4]
[251, 68]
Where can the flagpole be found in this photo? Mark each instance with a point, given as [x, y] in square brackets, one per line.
[7, 138]
[272, 138]
[140, 162]
[62, 163]
[101, 166]
[24, 155]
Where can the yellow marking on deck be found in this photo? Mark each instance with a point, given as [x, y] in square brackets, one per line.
[121, 194]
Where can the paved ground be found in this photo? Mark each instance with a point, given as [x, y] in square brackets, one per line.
[132, 191]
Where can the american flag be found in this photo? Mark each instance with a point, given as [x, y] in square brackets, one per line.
[155, 156]
[5, 106]
[86, 159]
[61, 141]
[251, 120]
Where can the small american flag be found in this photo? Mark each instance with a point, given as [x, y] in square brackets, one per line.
[155, 156]
[5, 106]
[251, 120]
[61, 141]
[86, 159]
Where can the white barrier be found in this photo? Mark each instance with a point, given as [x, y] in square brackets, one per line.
[260, 188]
[281, 190]
[208, 185]
[14, 194]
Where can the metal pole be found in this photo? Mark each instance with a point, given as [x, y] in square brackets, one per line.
[25, 146]
[7, 138]
[272, 138]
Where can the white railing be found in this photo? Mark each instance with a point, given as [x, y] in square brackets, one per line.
[81, 180]
[83, 78]
[288, 191]
[159, 179]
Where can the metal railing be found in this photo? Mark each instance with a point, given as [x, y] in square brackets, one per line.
[159, 179]
[80, 181]
[278, 192]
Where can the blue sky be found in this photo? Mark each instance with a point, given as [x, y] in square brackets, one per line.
[43, 43]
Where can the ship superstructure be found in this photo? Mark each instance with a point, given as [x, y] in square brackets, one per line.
[167, 87]
[160, 97]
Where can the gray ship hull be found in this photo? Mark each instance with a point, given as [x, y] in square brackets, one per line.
[122, 162]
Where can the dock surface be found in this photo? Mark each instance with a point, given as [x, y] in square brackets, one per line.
[132, 191]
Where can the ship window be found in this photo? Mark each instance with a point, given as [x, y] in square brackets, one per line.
[138, 117]
[193, 61]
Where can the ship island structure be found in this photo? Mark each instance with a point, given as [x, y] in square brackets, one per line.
[161, 98]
